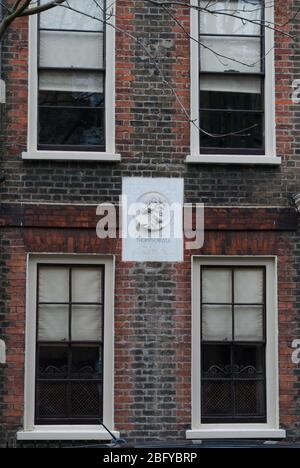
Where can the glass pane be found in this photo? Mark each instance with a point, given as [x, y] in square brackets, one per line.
[51, 399]
[71, 127]
[216, 285]
[249, 286]
[52, 362]
[217, 398]
[248, 323]
[231, 92]
[219, 54]
[64, 18]
[86, 323]
[72, 84]
[216, 361]
[250, 398]
[249, 362]
[87, 285]
[61, 99]
[53, 284]
[241, 130]
[240, 10]
[53, 323]
[217, 323]
[68, 49]
[86, 363]
[86, 399]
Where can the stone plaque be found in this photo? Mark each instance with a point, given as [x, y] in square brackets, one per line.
[152, 227]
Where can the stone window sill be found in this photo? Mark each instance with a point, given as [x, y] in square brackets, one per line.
[66, 433]
[70, 156]
[234, 159]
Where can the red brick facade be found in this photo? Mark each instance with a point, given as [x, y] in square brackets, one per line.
[70, 229]
[249, 214]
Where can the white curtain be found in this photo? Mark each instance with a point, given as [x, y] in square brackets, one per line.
[248, 286]
[63, 18]
[219, 23]
[86, 323]
[75, 42]
[86, 285]
[231, 84]
[53, 323]
[217, 323]
[79, 81]
[216, 285]
[71, 49]
[248, 289]
[248, 323]
[54, 319]
[53, 284]
[221, 54]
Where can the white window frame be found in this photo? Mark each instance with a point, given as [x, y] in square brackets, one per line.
[68, 432]
[269, 430]
[270, 126]
[32, 152]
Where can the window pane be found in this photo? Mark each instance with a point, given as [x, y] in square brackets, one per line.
[73, 81]
[53, 323]
[219, 54]
[78, 127]
[231, 92]
[242, 130]
[86, 399]
[61, 99]
[52, 399]
[52, 362]
[249, 362]
[86, 323]
[86, 363]
[217, 398]
[217, 323]
[63, 18]
[68, 49]
[250, 398]
[87, 285]
[216, 285]
[249, 286]
[248, 323]
[53, 284]
[216, 361]
[219, 23]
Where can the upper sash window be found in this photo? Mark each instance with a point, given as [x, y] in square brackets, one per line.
[71, 70]
[232, 84]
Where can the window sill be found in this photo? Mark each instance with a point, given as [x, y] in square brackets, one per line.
[233, 159]
[66, 433]
[70, 156]
[236, 433]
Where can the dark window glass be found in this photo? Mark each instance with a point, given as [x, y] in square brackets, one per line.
[75, 127]
[233, 345]
[63, 99]
[86, 361]
[229, 123]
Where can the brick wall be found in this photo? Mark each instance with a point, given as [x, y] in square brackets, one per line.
[152, 313]
[152, 130]
[153, 301]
